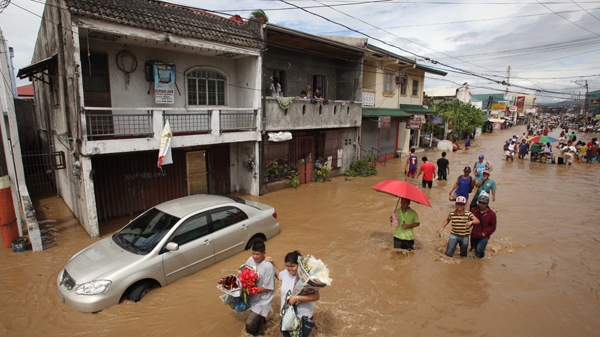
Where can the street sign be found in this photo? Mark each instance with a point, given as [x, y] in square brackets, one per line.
[435, 120]
[413, 125]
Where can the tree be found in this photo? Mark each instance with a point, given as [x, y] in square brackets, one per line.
[462, 117]
[260, 15]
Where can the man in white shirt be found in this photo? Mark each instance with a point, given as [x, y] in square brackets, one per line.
[260, 304]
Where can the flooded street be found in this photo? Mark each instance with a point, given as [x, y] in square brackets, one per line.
[540, 277]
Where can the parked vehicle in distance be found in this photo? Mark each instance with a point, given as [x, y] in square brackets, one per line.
[167, 242]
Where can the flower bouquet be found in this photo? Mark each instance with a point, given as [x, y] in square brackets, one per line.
[248, 276]
[313, 273]
[238, 288]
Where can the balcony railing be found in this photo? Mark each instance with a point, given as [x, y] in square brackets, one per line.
[103, 123]
[237, 120]
[188, 123]
[118, 123]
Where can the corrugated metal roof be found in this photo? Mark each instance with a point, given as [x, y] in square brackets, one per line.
[376, 112]
[431, 70]
[416, 109]
[168, 18]
[442, 92]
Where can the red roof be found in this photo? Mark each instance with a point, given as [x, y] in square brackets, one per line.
[25, 90]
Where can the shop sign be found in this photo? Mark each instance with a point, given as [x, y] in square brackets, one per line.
[413, 125]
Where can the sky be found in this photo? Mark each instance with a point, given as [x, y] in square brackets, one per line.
[551, 46]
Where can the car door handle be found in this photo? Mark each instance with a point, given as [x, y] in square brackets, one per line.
[206, 242]
[244, 226]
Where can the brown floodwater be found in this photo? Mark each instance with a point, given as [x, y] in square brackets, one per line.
[540, 277]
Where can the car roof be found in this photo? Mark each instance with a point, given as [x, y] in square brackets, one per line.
[183, 206]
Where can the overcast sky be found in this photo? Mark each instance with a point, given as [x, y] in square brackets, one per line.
[549, 45]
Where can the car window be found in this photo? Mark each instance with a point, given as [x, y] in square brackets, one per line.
[192, 229]
[226, 216]
[144, 232]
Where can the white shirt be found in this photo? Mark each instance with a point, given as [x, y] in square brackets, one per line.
[287, 283]
[261, 302]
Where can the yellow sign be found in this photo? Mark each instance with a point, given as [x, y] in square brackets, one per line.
[499, 106]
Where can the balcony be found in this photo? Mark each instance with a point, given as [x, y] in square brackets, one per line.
[302, 114]
[115, 130]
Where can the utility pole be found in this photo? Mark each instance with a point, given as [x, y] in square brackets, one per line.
[507, 81]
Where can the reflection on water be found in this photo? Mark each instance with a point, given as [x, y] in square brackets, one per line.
[539, 276]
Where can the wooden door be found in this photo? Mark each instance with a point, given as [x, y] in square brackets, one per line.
[197, 173]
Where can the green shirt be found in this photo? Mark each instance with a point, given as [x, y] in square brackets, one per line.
[409, 218]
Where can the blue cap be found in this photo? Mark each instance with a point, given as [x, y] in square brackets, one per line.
[480, 156]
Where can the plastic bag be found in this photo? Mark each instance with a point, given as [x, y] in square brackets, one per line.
[289, 321]
[240, 305]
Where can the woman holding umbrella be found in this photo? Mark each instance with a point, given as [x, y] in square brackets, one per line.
[406, 219]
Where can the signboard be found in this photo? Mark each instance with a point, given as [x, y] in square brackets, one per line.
[385, 122]
[520, 103]
[531, 110]
[512, 108]
[498, 106]
[164, 83]
[596, 101]
[435, 120]
[368, 99]
[413, 125]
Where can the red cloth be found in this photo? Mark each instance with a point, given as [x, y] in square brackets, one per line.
[428, 169]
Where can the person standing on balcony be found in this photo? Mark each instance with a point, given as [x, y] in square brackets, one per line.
[318, 94]
[276, 87]
[309, 93]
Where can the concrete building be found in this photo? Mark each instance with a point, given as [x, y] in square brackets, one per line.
[107, 79]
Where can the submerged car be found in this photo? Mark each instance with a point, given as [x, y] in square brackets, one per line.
[167, 242]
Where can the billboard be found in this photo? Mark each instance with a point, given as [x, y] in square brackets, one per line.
[520, 103]
[498, 106]
[413, 125]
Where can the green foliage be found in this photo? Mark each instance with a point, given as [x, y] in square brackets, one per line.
[322, 174]
[260, 15]
[363, 167]
[462, 117]
[294, 180]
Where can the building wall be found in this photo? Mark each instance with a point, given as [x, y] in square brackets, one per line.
[343, 77]
[303, 114]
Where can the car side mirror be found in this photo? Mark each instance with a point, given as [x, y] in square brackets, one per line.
[172, 246]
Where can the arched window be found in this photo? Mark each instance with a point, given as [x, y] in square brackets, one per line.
[205, 87]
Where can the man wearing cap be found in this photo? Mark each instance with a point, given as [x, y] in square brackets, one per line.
[485, 184]
[462, 221]
[479, 166]
[480, 234]
[463, 186]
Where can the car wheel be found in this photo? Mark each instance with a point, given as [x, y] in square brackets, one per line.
[253, 241]
[138, 291]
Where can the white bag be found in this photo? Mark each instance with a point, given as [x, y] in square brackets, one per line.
[289, 321]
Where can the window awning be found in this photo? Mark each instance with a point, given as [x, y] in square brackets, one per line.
[37, 67]
[416, 109]
[376, 112]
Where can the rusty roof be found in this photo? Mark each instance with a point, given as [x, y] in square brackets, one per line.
[170, 18]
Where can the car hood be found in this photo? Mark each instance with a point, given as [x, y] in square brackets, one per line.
[99, 261]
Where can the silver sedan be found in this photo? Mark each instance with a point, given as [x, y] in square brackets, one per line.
[169, 241]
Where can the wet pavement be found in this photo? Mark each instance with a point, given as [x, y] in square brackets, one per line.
[540, 276]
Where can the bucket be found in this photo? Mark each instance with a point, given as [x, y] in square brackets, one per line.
[20, 244]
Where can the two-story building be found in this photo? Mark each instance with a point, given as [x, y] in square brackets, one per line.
[108, 77]
[321, 132]
[393, 114]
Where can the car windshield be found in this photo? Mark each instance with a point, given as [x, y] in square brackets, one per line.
[143, 233]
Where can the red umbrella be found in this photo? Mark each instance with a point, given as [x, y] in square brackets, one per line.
[402, 189]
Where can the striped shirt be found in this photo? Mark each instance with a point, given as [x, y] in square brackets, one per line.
[459, 221]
